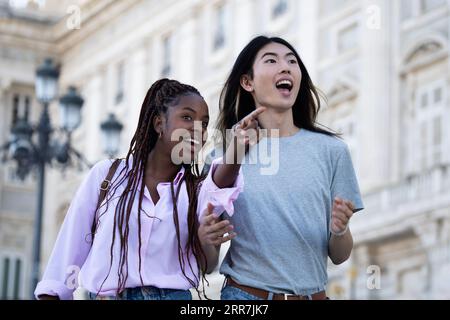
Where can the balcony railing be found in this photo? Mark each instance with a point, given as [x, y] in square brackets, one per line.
[397, 201]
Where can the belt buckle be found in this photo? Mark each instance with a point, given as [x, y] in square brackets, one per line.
[287, 295]
[105, 185]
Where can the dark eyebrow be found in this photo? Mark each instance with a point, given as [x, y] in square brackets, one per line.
[189, 109]
[269, 54]
[276, 55]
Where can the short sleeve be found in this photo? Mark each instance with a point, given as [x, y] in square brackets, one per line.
[345, 184]
[221, 198]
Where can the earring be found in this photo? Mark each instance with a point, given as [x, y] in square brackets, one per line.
[160, 134]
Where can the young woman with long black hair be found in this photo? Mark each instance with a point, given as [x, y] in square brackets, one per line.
[288, 222]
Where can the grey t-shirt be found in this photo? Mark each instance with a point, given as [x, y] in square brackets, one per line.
[282, 220]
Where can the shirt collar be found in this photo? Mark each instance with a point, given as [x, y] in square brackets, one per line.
[179, 175]
[177, 178]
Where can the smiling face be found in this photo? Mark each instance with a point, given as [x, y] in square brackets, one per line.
[276, 78]
[185, 124]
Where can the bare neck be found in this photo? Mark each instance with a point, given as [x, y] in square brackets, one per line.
[279, 120]
[160, 166]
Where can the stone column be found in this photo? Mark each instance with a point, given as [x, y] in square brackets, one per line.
[135, 90]
[243, 25]
[428, 234]
[185, 58]
[374, 107]
[308, 35]
[94, 112]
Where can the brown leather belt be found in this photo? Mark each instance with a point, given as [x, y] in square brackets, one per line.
[263, 294]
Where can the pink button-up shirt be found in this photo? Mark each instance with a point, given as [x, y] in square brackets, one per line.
[73, 254]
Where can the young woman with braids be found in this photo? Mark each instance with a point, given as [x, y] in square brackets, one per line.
[145, 241]
[290, 221]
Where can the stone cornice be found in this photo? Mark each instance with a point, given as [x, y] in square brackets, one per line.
[56, 37]
[94, 15]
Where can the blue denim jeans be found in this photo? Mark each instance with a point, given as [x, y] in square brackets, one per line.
[147, 293]
[233, 293]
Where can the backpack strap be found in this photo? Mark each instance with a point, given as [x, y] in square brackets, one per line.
[104, 186]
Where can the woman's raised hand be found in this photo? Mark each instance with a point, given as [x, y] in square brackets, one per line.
[246, 130]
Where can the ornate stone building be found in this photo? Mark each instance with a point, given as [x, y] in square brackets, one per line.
[383, 64]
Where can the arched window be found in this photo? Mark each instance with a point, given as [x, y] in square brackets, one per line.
[425, 107]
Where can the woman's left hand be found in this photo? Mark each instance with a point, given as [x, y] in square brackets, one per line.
[213, 231]
[341, 215]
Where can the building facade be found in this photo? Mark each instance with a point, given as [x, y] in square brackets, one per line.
[383, 65]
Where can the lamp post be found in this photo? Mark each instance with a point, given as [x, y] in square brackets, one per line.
[46, 91]
[29, 154]
[111, 129]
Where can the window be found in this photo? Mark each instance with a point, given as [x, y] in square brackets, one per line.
[20, 108]
[17, 275]
[424, 143]
[11, 269]
[407, 9]
[437, 95]
[279, 8]
[15, 115]
[424, 100]
[5, 278]
[411, 282]
[332, 6]
[429, 5]
[436, 141]
[219, 34]
[35, 4]
[347, 38]
[120, 83]
[167, 56]
[414, 8]
[26, 112]
[429, 121]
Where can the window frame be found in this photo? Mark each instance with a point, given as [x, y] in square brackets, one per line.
[219, 38]
[279, 9]
[425, 116]
[13, 258]
[167, 57]
[120, 83]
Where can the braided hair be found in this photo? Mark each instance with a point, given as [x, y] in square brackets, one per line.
[161, 95]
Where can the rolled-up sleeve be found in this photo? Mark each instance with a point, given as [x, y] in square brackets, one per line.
[73, 242]
[221, 198]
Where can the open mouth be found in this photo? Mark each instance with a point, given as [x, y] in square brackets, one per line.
[284, 86]
[193, 142]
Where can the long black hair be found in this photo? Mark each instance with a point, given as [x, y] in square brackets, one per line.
[235, 103]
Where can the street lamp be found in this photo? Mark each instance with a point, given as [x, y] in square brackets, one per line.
[47, 82]
[46, 91]
[111, 129]
[29, 154]
[70, 109]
